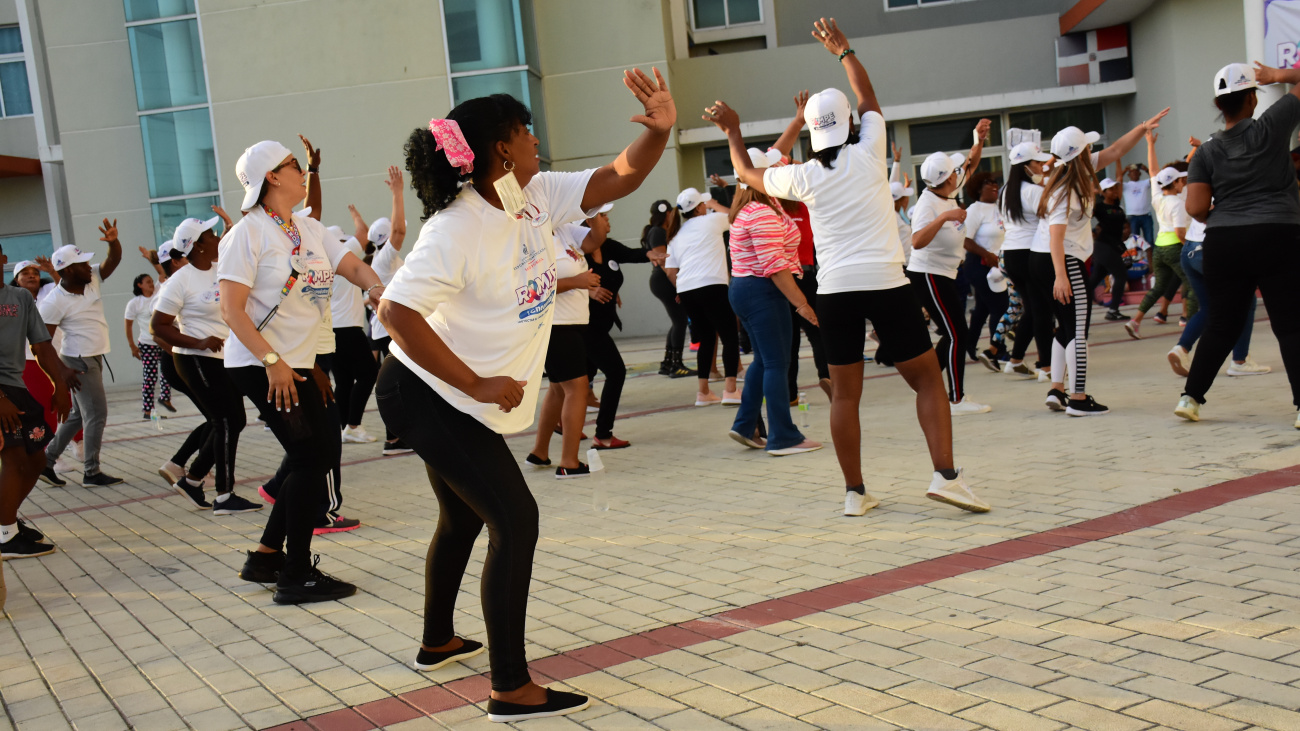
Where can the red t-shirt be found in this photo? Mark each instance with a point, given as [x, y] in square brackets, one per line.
[801, 219]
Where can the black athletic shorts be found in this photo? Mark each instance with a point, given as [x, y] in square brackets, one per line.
[895, 313]
[566, 356]
[34, 433]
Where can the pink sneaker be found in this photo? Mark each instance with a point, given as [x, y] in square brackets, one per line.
[261, 490]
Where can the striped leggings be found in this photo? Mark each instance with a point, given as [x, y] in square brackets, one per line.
[1070, 345]
[150, 355]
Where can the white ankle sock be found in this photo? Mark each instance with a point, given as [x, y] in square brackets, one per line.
[222, 497]
[7, 532]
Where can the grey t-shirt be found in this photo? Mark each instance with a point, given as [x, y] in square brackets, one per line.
[1249, 169]
[20, 323]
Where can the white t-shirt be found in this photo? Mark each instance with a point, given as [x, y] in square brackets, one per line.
[256, 252]
[698, 252]
[80, 317]
[485, 283]
[904, 234]
[1195, 230]
[193, 297]
[571, 307]
[57, 340]
[1020, 234]
[138, 311]
[1171, 213]
[852, 212]
[347, 301]
[985, 223]
[1137, 197]
[1042, 243]
[1078, 224]
[386, 263]
[945, 251]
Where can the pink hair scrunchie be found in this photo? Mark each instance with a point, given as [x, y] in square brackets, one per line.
[447, 134]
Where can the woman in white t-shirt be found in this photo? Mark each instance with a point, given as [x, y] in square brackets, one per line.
[985, 228]
[143, 347]
[470, 315]
[1172, 222]
[384, 245]
[1018, 204]
[697, 267]
[275, 274]
[860, 275]
[939, 242]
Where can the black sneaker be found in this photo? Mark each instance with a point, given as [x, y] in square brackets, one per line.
[100, 479]
[192, 492]
[558, 703]
[565, 473]
[535, 461]
[48, 477]
[262, 568]
[1056, 399]
[233, 504]
[21, 546]
[427, 660]
[1085, 407]
[312, 585]
[25, 529]
[990, 360]
[1117, 315]
[1160, 319]
[395, 447]
[336, 525]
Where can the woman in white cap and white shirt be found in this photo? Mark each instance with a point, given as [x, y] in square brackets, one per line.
[275, 274]
[1066, 210]
[860, 275]
[1242, 185]
[143, 347]
[986, 230]
[1018, 203]
[470, 315]
[939, 242]
[1171, 226]
[697, 267]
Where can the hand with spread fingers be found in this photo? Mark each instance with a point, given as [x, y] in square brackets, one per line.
[660, 113]
[828, 33]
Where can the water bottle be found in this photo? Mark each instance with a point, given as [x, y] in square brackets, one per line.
[804, 409]
[156, 418]
[599, 494]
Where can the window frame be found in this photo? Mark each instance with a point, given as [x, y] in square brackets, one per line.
[11, 58]
[726, 14]
[918, 4]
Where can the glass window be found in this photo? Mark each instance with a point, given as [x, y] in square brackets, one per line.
[717, 160]
[166, 216]
[951, 134]
[483, 34]
[27, 246]
[154, 9]
[519, 84]
[725, 13]
[178, 153]
[168, 64]
[710, 14]
[11, 39]
[743, 11]
[14, 94]
[1087, 117]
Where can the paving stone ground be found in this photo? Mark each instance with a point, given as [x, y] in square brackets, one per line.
[139, 620]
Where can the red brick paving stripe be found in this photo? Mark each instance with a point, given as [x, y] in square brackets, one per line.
[344, 719]
[388, 711]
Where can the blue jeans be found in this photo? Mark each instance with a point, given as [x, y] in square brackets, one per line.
[765, 314]
[1143, 225]
[1194, 267]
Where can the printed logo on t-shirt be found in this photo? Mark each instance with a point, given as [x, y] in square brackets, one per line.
[318, 280]
[8, 310]
[211, 295]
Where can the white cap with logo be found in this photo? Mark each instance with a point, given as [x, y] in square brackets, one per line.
[1107, 183]
[997, 280]
[379, 231]
[188, 231]
[25, 264]
[1069, 142]
[828, 116]
[1233, 78]
[252, 166]
[939, 166]
[1026, 151]
[68, 255]
[165, 251]
[689, 199]
[1167, 176]
[897, 190]
[762, 160]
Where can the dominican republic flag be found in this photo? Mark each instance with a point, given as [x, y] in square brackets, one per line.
[1093, 57]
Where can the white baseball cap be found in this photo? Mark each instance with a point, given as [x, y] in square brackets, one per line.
[761, 160]
[1069, 142]
[1234, 77]
[188, 231]
[828, 116]
[1167, 176]
[379, 231]
[939, 166]
[252, 166]
[1107, 183]
[337, 232]
[25, 264]
[165, 251]
[688, 199]
[605, 208]
[897, 190]
[997, 280]
[1026, 151]
[68, 255]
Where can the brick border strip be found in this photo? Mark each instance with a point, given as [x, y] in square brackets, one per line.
[475, 689]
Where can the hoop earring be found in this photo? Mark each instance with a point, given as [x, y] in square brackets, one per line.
[508, 165]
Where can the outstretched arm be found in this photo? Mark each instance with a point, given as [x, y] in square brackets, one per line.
[363, 229]
[1121, 147]
[626, 173]
[828, 33]
[398, 219]
[313, 177]
[728, 121]
[977, 149]
[785, 143]
[151, 256]
[1269, 75]
[109, 231]
[1152, 136]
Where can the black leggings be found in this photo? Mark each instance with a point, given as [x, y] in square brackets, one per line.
[603, 355]
[661, 287]
[1106, 259]
[939, 294]
[1042, 276]
[710, 311]
[223, 406]
[309, 435]
[476, 481]
[808, 285]
[1239, 259]
[1016, 264]
[197, 440]
[354, 369]
[328, 510]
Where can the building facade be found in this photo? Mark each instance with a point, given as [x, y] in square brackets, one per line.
[136, 110]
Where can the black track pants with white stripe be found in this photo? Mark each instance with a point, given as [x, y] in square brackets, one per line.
[939, 296]
[1070, 346]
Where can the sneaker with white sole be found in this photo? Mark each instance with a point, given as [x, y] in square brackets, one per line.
[558, 703]
[752, 443]
[1134, 329]
[171, 472]
[858, 504]
[357, 435]
[731, 398]
[1043, 376]
[806, 445]
[1248, 368]
[1056, 399]
[593, 409]
[1178, 360]
[1086, 406]
[966, 406]
[428, 660]
[1188, 408]
[230, 504]
[1017, 369]
[956, 493]
[192, 492]
[707, 399]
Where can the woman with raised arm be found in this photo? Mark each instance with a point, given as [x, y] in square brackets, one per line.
[1172, 222]
[1018, 203]
[1252, 232]
[275, 273]
[470, 315]
[1066, 208]
[860, 275]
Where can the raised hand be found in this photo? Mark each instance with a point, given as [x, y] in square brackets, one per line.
[1266, 74]
[982, 128]
[1152, 136]
[828, 33]
[723, 116]
[43, 262]
[225, 219]
[394, 181]
[1193, 141]
[149, 255]
[109, 231]
[660, 112]
[313, 153]
[717, 181]
[898, 152]
[1154, 122]
[800, 101]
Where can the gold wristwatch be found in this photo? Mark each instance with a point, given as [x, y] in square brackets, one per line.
[270, 359]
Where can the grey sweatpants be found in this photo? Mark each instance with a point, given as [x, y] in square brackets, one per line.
[89, 413]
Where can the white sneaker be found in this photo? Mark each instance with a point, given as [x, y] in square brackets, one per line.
[1043, 376]
[79, 451]
[1017, 369]
[64, 465]
[731, 398]
[807, 445]
[1248, 368]
[357, 435]
[855, 504]
[1178, 360]
[956, 493]
[1190, 410]
[966, 406]
[1134, 329]
[751, 442]
[170, 472]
